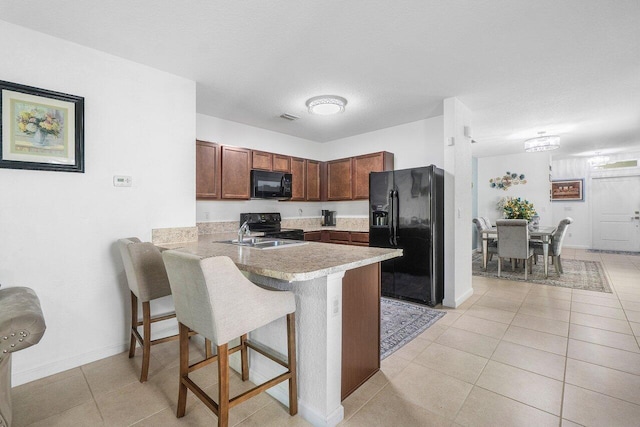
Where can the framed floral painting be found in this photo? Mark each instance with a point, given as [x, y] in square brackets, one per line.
[567, 190]
[41, 129]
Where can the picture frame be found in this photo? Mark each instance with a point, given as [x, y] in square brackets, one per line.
[567, 190]
[40, 129]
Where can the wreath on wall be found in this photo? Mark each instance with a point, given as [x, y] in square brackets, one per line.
[507, 180]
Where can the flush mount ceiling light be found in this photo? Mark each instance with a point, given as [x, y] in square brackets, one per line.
[326, 104]
[542, 143]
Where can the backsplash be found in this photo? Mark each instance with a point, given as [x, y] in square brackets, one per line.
[306, 224]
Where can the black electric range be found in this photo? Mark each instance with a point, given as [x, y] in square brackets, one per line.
[269, 224]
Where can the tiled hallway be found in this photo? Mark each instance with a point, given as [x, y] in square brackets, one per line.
[515, 354]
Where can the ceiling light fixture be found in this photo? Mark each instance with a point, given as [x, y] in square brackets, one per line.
[598, 160]
[542, 143]
[326, 104]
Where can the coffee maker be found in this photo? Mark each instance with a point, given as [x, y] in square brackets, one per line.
[328, 218]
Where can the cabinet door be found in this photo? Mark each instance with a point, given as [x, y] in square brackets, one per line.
[339, 174]
[235, 172]
[362, 165]
[281, 163]
[341, 237]
[298, 178]
[359, 238]
[207, 170]
[313, 236]
[313, 180]
[261, 160]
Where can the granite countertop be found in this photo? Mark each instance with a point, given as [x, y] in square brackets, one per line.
[291, 263]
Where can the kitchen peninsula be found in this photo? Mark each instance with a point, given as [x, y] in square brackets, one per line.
[314, 272]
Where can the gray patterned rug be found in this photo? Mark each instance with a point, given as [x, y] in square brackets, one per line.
[578, 274]
[604, 251]
[401, 321]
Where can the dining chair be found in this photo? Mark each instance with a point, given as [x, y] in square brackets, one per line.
[213, 298]
[147, 279]
[492, 245]
[513, 242]
[555, 247]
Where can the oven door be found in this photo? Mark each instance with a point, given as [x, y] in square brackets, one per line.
[270, 185]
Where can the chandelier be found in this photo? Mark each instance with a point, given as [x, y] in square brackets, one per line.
[542, 143]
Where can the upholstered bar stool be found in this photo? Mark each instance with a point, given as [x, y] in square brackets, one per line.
[213, 298]
[147, 280]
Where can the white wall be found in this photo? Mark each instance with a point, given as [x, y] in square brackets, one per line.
[580, 232]
[58, 229]
[413, 144]
[458, 178]
[535, 167]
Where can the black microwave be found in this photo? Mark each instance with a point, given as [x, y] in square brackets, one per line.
[270, 185]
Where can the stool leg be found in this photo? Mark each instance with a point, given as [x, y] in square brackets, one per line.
[134, 323]
[223, 385]
[146, 343]
[184, 370]
[291, 355]
[207, 348]
[244, 357]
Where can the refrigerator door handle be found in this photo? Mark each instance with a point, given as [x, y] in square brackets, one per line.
[390, 199]
[396, 212]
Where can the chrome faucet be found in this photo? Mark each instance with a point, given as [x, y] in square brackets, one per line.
[243, 229]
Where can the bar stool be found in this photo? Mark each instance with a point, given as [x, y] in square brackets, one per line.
[213, 298]
[147, 279]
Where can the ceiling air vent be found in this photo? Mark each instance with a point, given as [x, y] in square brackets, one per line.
[289, 116]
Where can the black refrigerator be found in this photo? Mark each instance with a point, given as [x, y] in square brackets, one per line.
[407, 212]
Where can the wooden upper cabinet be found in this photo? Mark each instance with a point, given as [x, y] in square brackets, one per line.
[339, 179]
[363, 165]
[207, 170]
[236, 168]
[261, 160]
[282, 163]
[298, 178]
[313, 180]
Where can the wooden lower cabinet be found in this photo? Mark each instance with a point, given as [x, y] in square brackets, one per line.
[360, 326]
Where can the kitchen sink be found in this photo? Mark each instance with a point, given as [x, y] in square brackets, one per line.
[264, 242]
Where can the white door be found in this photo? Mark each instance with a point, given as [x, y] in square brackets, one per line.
[616, 213]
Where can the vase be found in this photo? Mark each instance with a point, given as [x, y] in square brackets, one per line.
[39, 137]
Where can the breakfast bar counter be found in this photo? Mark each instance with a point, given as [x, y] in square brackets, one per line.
[314, 273]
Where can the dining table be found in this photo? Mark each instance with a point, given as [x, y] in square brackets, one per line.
[543, 233]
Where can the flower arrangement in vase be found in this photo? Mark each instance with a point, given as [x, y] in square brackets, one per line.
[517, 208]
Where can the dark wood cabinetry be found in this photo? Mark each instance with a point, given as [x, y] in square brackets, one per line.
[282, 163]
[298, 178]
[360, 326]
[358, 238]
[313, 180]
[207, 170]
[235, 178]
[363, 165]
[339, 176]
[261, 160]
[223, 172]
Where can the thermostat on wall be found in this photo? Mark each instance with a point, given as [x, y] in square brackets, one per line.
[122, 181]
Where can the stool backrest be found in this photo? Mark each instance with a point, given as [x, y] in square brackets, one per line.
[214, 298]
[513, 238]
[146, 275]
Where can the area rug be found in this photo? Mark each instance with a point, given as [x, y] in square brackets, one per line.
[401, 321]
[604, 251]
[578, 274]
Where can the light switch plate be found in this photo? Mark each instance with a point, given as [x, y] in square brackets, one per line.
[122, 181]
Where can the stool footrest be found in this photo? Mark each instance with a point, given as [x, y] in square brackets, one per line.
[268, 353]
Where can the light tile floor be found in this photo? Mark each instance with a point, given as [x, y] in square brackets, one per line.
[514, 354]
